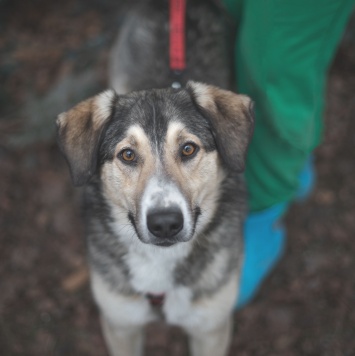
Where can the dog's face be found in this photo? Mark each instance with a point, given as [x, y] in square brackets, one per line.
[161, 154]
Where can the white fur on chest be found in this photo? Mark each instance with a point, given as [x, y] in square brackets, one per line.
[152, 268]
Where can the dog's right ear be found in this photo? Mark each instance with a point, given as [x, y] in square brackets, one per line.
[79, 131]
[231, 119]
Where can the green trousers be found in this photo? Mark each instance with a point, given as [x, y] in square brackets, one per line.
[282, 55]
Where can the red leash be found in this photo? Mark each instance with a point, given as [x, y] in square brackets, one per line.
[177, 36]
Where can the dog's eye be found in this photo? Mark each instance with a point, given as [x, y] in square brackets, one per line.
[188, 150]
[127, 155]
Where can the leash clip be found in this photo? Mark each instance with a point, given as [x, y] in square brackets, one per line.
[176, 81]
[177, 41]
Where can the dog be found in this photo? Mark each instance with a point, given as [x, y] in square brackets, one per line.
[165, 198]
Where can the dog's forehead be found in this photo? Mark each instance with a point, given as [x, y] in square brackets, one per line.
[155, 111]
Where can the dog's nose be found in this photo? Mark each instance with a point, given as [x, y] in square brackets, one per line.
[165, 223]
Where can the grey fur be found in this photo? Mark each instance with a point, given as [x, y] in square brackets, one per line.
[223, 233]
[105, 252]
[140, 74]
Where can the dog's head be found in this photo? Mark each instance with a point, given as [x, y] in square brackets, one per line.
[160, 155]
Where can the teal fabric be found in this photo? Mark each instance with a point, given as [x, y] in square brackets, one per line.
[265, 238]
[283, 51]
[282, 54]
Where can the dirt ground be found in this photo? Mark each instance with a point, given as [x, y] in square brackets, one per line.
[53, 54]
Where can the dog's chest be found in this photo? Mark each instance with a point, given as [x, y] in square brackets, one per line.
[152, 269]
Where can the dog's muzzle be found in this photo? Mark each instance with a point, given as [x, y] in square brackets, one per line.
[165, 224]
[164, 216]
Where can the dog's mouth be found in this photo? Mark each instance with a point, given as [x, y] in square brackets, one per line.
[161, 238]
[165, 243]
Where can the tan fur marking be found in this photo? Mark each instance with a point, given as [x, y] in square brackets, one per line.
[123, 184]
[200, 178]
[231, 118]
[102, 106]
[207, 95]
[79, 131]
[98, 108]
[203, 94]
[76, 117]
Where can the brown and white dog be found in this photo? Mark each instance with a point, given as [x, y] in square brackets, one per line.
[164, 195]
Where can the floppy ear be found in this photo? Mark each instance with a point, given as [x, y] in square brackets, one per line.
[79, 131]
[231, 118]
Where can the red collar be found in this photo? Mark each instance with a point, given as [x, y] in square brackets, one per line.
[177, 36]
[155, 300]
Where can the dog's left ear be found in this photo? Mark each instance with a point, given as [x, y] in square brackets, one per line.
[232, 121]
[79, 131]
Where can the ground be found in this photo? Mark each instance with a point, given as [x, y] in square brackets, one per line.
[53, 54]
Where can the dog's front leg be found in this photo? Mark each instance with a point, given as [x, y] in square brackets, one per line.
[122, 341]
[208, 320]
[123, 318]
[212, 343]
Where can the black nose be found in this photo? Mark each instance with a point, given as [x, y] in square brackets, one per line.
[165, 223]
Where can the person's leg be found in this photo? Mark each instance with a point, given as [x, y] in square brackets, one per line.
[283, 52]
